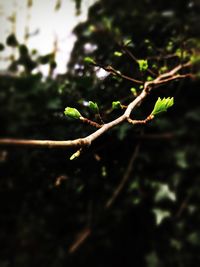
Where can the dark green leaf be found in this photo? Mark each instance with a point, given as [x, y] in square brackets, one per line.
[11, 40]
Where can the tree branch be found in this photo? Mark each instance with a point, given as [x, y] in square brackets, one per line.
[80, 142]
[86, 141]
[43, 143]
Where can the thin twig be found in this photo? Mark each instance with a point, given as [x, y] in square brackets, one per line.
[130, 54]
[124, 179]
[82, 237]
[174, 70]
[175, 77]
[149, 118]
[113, 71]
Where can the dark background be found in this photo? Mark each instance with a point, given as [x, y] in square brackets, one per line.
[48, 202]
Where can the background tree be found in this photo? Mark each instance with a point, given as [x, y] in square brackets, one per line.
[57, 211]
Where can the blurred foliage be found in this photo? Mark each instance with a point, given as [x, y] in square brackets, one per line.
[46, 199]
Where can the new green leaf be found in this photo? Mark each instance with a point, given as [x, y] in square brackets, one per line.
[72, 113]
[75, 155]
[160, 215]
[143, 64]
[164, 193]
[149, 78]
[118, 54]
[116, 105]
[127, 42]
[94, 107]
[134, 91]
[89, 60]
[162, 105]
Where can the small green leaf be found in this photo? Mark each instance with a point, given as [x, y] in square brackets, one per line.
[75, 155]
[160, 215]
[143, 64]
[94, 107]
[154, 66]
[146, 41]
[181, 159]
[164, 193]
[89, 60]
[103, 171]
[118, 54]
[195, 59]
[92, 28]
[107, 22]
[170, 46]
[133, 91]
[149, 78]
[127, 42]
[178, 52]
[162, 105]
[72, 113]
[116, 105]
[163, 69]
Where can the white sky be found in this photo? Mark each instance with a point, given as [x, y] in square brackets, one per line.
[50, 23]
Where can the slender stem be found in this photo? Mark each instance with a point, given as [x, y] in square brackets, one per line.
[124, 179]
[113, 71]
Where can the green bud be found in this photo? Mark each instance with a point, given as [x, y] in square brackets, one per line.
[89, 60]
[133, 91]
[75, 155]
[127, 42]
[116, 105]
[72, 113]
[118, 54]
[143, 64]
[149, 78]
[94, 107]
